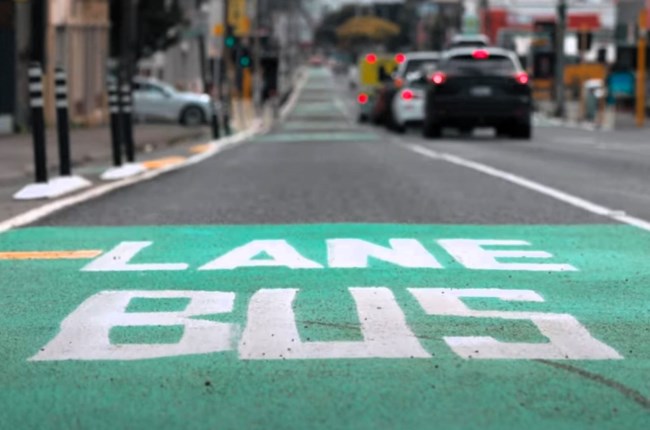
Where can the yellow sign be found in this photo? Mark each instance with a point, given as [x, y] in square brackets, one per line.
[238, 17]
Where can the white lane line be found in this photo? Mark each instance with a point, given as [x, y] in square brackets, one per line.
[49, 208]
[565, 197]
[295, 95]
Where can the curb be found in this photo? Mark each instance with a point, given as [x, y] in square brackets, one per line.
[212, 149]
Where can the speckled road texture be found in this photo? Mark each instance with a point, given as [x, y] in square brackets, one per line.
[321, 345]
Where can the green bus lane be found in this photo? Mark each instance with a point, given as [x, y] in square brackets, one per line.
[359, 326]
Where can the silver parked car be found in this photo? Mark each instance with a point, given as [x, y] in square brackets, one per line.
[156, 100]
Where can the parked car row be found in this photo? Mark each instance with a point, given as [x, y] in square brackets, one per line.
[469, 85]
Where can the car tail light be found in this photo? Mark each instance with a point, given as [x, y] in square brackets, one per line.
[480, 54]
[400, 58]
[362, 98]
[522, 78]
[407, 95]
[438, 78]
[371, 58]
[399, 82]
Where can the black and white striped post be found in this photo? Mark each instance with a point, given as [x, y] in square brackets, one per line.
[62, 121]
[36, 102]
[126, 101]
[120, 104]
[66, 183]
[116, 126]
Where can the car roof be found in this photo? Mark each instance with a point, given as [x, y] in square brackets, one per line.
[470, 37]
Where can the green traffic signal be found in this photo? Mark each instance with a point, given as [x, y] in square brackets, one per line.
[245, 61]
[230, 41]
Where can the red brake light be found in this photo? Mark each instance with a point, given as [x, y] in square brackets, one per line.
[407, 95]
[438, 78]
[400, 58]
[371, 58]
[481, 54]
[522, 78]
[362, 98]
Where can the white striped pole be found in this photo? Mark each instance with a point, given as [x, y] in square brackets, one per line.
[38, 121]
[62, 121]
[116, 127]
[127, 121]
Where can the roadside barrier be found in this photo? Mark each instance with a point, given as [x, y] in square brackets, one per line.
[120, 102]
[66, 183]
[127, 121]
[62, 121]
[36, 102]
[116, 127]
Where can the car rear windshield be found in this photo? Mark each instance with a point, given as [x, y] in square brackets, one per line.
[468, 65]
[417, 64]
[467, 43]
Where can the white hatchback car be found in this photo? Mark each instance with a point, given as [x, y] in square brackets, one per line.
[154, 99]
[408, 103]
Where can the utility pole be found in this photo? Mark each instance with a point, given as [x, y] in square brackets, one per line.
[224, 88]
[206, 80]
[125, 79]
[559, 58]
[257, 58]
[641, 69]
[38, 61]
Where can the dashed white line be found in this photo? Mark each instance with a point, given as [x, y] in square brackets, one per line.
[555, 193]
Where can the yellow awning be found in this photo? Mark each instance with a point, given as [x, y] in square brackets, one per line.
[367, 26]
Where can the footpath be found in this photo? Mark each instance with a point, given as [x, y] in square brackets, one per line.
[157, 145]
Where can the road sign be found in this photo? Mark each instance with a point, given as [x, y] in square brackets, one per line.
[238, 17]
[325, 326]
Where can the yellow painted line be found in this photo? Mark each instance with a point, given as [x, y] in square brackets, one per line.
[163, 162]
[200, 149]
[51, 255]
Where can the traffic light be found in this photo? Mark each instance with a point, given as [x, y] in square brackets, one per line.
[245, 57]
[245, 61]
[231, 40]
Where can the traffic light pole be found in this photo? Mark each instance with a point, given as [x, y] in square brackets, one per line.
[559, 58]
[257, 69]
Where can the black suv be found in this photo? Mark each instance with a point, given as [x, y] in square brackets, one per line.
[479, 87]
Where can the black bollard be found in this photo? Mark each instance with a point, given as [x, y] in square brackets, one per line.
[38, 121]
[116, 128]
[62, 121]
[127, 121]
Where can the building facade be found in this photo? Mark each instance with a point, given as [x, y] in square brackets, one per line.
[79, 41]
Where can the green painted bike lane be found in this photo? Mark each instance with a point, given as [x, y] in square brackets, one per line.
[325, 326]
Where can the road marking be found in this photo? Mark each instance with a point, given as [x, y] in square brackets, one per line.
[565, 197]
[51, 255]
[164, 162]
[200, 149]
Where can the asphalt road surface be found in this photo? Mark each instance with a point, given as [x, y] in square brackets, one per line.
[333, 275]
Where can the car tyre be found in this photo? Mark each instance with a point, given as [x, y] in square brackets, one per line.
[431, 129]
[192, 116]
[524, 131]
